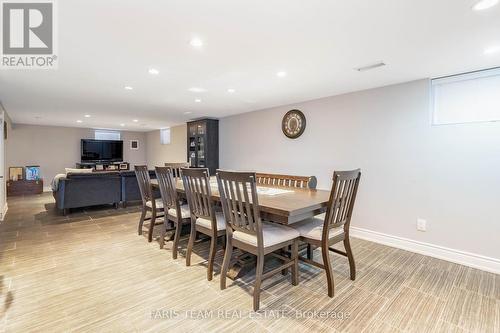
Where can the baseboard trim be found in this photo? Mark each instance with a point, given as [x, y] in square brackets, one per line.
[459, 257]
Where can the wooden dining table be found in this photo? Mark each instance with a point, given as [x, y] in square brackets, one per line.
[284, 205]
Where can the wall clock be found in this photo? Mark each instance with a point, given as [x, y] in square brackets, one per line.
[293, 124]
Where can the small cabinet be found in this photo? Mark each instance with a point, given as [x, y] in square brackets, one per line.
[203, 144]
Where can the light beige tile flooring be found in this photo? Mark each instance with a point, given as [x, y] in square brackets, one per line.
[90, 271]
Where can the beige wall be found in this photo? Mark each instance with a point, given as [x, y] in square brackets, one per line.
[158, 154]
[447, 175]
[55, 148]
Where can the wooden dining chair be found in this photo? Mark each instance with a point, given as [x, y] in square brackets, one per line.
[325, 230]
[286, 180]
[246, 231]
[176, 168]
[204, 218]
[149, 203]
[173, 210]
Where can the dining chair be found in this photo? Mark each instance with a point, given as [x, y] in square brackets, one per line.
[286, 180]
[204, 217]
[327, 229]
[246, 231]
[149, 203]
[176, 168]
[173, 210]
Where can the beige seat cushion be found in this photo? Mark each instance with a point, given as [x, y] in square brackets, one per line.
[184, 212]
[313, 228]
[221, 222]
[158, 203]
[272, 234]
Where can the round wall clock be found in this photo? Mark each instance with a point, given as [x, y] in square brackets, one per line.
[293, 124]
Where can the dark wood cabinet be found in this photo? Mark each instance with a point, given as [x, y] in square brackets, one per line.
[24, 187]
[203, 144]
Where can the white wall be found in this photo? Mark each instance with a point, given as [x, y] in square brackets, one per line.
[55, 148]
[158, 154]
[448, 175]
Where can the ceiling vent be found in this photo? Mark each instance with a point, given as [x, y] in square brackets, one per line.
[370, 67]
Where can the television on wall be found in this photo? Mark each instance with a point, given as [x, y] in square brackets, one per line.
[102, 150]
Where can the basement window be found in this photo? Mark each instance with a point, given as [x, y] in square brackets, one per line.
[165, 136]
[466, 98]
[106, 135]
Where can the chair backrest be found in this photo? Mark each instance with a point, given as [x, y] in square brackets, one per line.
[342, 198]
[168, 188]
[144, 181]
[198, 193]
[176, 168]
[240, 204]
[286, 180]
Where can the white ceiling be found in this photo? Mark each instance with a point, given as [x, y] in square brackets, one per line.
[106, 45]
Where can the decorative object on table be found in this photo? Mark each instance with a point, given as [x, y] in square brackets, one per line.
[99, 167]
[293, 124]
[124, 166]
[16, 173]
[32, 172]
[134, 144]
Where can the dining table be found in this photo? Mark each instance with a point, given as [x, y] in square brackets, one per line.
[278, 204]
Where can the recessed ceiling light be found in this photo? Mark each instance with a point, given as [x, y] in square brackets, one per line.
[87, 116]
[484, 4]
[197, 89]
[122, 125]
[196, 42]
[231, 90]
[187, 112]
[492, 50]
[197, 100]
[128, 88]
[153, 71]
[281, 74]
[79, 121]
[135, 120]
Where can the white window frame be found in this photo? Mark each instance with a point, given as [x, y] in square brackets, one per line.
[455, 79]
[165, 136]
[100, 134]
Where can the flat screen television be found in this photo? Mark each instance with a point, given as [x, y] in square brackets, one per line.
[102, 150]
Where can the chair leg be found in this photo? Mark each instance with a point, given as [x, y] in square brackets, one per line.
[225, 265]
[310, 252]
[295, 267]
[192, 236]
[151, 226]
[211, 257]
[258, 280]
[163, 232]
[284, 250]
[328, 269]
[141, 221]
[350, 257]
[175, 246]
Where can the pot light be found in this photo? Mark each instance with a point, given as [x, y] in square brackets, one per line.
[492, 50]
[79, 121]
[122, 125]
[231, 90]
[196, 42]
[128, 88]
[87, 116]
[484, 4]
[135, 120]
[187, 112]
[197, 89]
[197, 100]
[281, 74]
[153, 71]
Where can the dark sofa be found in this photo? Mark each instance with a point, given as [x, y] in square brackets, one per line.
[97, 188]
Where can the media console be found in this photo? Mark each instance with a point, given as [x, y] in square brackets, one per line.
[104, 166]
